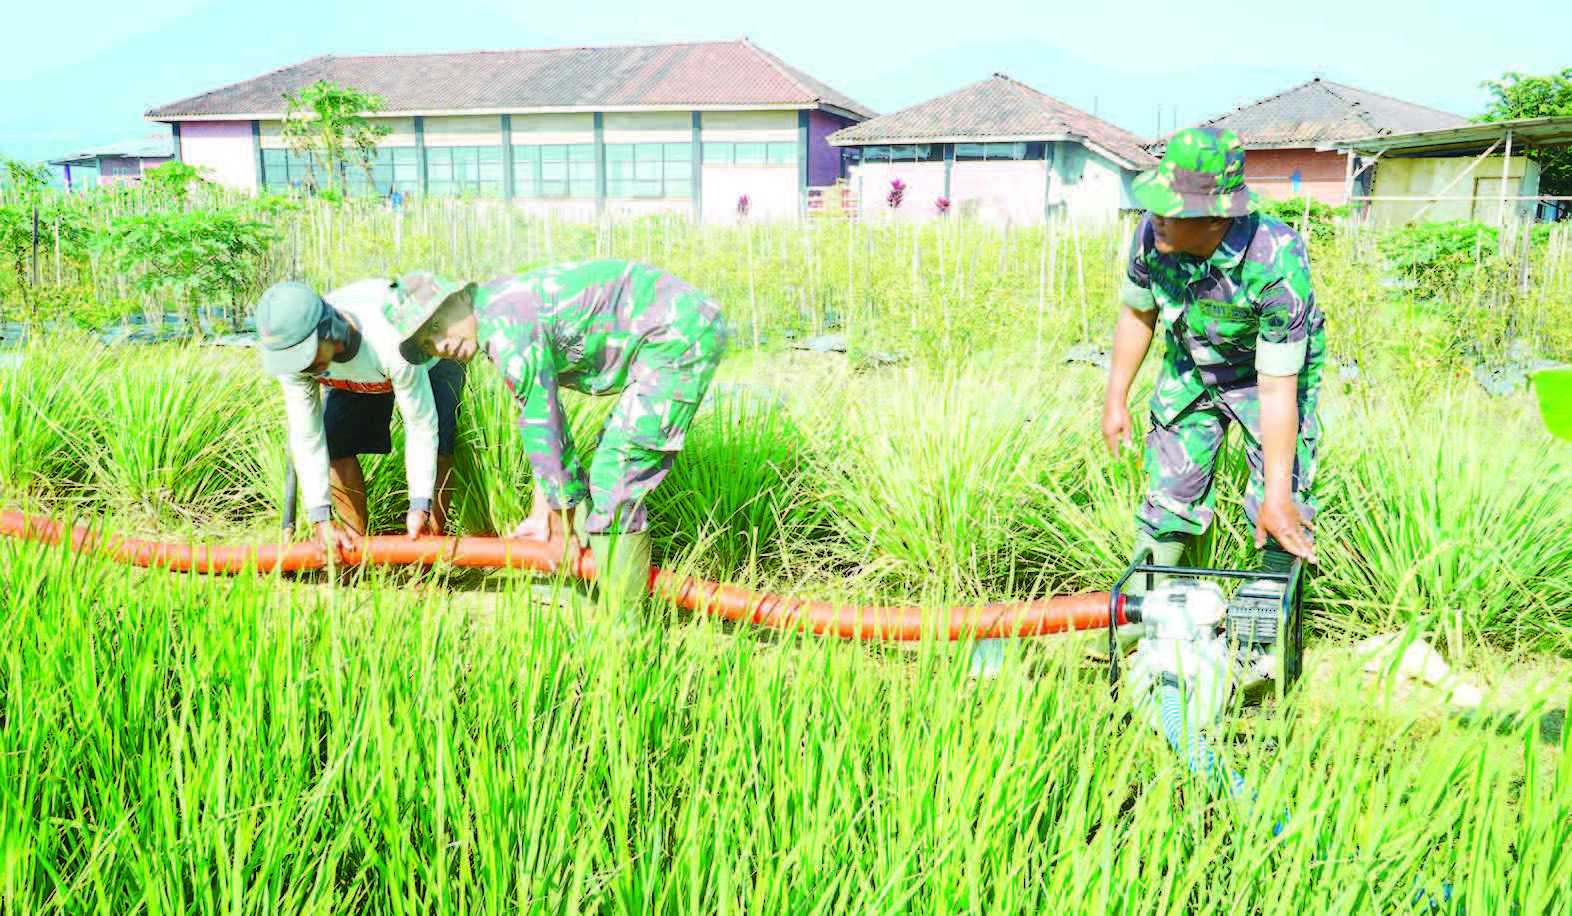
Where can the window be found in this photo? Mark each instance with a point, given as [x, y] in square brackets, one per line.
[905, 152]
[649, 170]
[464, 171]
[554, 170]
[782, 152]
[996, 152]
[392, 169]
[284, 169]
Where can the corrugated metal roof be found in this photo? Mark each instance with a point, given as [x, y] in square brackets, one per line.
[1527, 133]
[995, 108]
[732, 73]
[150, 147]
[1320, 111]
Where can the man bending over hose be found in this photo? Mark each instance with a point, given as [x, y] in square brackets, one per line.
[345, 345]
[1243, 342]
[598, 327]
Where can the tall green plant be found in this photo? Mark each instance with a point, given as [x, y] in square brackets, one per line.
[174, 180]
[188, 258]
[328, 123]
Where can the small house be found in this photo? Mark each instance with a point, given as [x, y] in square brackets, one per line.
[1480, 172]
[996, 150]
[118, 163]
[1287, 137]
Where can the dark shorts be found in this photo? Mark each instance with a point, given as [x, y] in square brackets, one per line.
[358, 424]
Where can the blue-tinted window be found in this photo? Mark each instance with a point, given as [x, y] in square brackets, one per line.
[782, 152]
[391, 169]
[651, 170]
[464, 171]
[554, 170]
[997, 152]
[284, 169]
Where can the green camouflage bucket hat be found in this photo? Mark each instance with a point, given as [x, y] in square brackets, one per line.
[416, 297]
[1202, 174]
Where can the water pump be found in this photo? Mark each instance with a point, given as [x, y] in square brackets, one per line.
[1200, 646]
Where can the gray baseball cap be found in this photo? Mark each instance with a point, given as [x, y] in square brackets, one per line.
[287, 318]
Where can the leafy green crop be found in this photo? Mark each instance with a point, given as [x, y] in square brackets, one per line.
[1554, 387]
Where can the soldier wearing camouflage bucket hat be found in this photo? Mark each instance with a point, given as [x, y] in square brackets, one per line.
[606, 327]
[1243, 342]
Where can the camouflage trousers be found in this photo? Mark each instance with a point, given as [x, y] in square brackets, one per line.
[666, 383]
[1181, 462]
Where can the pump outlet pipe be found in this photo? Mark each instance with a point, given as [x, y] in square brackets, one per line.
[900, 623]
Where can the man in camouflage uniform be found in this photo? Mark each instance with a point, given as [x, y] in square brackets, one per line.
[1243, 342]
[598, 327]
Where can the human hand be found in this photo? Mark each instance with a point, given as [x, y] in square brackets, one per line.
[1280, 520]
[418, 522]
[1117, 427]
[335, 541]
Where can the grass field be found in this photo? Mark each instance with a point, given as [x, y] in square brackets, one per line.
[447, 742]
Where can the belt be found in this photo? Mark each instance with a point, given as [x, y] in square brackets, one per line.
[357, 387]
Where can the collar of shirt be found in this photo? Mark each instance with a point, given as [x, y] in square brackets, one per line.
[1231, 250]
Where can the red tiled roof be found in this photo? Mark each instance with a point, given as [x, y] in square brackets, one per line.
[700, 74]
[995, 108]
[1320, 111]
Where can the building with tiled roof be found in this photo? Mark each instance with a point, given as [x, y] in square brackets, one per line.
[1288, 136]
[118, 163]
[622, 128]
[996, 148]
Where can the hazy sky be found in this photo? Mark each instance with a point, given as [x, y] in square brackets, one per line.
[87, 70]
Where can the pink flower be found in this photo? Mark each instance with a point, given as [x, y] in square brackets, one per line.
[897, 193]
[942, 205]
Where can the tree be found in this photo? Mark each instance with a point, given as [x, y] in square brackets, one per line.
[173, 180]
[27, 179]
[328, 123]
[188, 257]
[1518, 95]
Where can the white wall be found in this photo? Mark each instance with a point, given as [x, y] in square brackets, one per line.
[772, 192]
[223, 150]
[1096, 198]
[870, 181]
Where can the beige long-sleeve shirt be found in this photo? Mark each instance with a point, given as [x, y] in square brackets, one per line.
[375, 368]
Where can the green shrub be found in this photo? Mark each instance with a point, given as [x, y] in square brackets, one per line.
[1316, 219]
[188, 258]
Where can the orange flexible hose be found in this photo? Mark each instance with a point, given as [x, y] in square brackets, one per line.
[1058, 614]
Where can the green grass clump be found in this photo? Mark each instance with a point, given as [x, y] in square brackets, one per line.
[173, 743]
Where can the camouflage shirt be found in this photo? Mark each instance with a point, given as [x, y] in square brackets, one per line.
[1248, 308]
[581, 326]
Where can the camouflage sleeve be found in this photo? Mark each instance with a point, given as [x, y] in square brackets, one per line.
[1136, 291]
[1285, 304]
[548, 440]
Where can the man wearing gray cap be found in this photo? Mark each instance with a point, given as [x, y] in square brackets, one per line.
[344, 344]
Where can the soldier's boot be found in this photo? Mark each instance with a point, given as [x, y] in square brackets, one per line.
[622, 569]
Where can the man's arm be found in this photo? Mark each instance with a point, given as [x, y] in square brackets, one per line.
[548, 441]
[308, 451]
[1133, 331]
[1287, 304]
[1279, 516]
[412, 392]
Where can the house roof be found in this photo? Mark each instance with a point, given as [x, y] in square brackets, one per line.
[721, 74]
[154, 146]
[998, 108]
[1527, 133]
[1321, 111]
